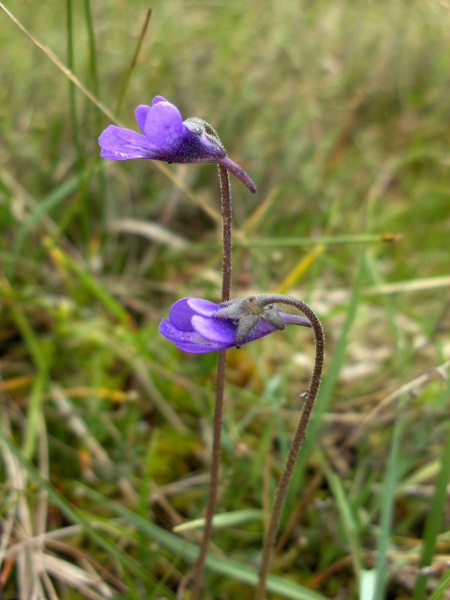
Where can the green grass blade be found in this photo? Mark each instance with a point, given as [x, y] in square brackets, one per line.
[434, 518]
[72, 91]
[348, 517]
[219, 564]
[444, 585]
[90, 284]
[92, 49]
[224, 520]
[43, 208]
[387, 507]
[40, 360]
[133, 63]
[393, 467]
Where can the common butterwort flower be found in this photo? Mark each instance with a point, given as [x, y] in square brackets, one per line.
[198, 326]
[166, 137]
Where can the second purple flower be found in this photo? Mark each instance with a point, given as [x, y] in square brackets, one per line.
[193, 327]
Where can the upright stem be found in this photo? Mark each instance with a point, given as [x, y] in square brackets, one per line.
[225, 195]
[299, 436]
[227, 232]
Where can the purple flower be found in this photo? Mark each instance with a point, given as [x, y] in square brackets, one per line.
[168, 138]
[198, 326]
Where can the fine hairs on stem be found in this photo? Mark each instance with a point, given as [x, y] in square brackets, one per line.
[225, 195]
[299, 436]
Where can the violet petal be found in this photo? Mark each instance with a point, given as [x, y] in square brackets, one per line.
[181, 314]
[188, 341]
[201, 348]
[213, 330]
[118, 143]
[164, 127]
[141, 114]
[205, 308]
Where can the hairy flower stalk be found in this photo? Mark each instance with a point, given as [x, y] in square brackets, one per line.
[299, 435]
[227, 249]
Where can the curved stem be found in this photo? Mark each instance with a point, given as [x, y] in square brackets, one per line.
[299, 436]
[225, 195]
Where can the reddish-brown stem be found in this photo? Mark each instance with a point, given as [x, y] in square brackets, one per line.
[225, 194]
[227, 232]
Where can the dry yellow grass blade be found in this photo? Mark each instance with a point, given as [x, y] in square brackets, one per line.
[89, 583]
[300, 269]
[413, 285]
[15, 383]
[257, 215]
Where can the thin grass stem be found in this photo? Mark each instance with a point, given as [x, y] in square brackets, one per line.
[133, 62]
[433, 521]
[93, 72]
[72, 95]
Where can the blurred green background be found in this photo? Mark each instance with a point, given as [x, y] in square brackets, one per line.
[340, 113]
